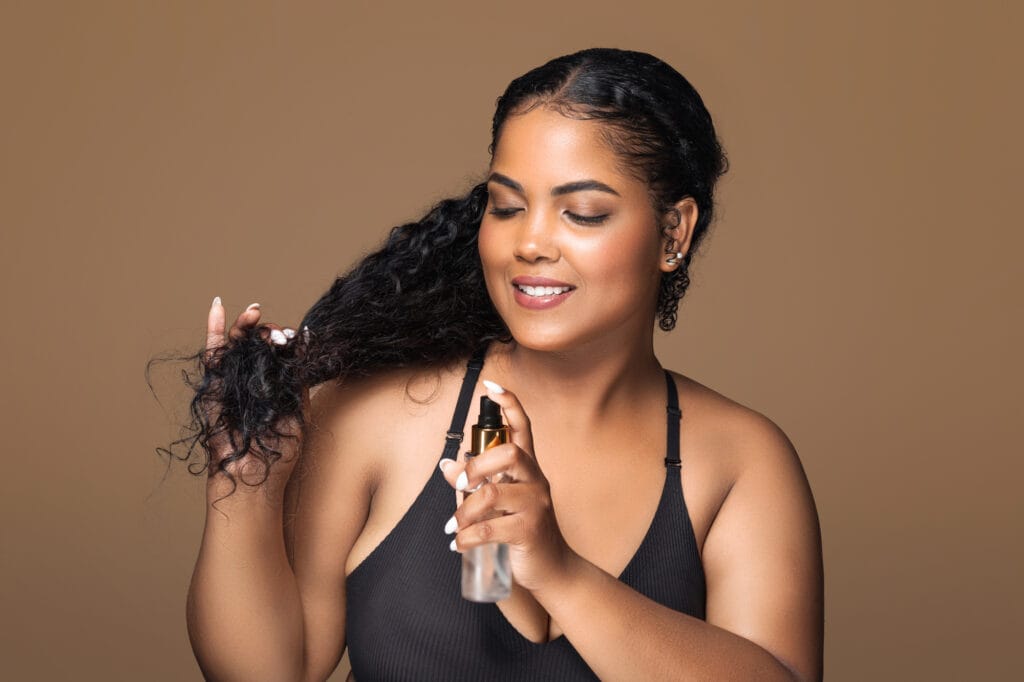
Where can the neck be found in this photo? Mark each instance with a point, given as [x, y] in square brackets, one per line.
[588, 382]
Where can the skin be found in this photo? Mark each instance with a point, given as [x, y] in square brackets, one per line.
[584, 396]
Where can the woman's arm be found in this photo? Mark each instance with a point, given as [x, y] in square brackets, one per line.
[244, 612]
[765, 600]
[266, 600]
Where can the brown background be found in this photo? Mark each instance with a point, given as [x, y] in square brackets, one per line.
[862, 286]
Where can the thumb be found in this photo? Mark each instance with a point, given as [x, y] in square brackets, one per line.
[214, 327]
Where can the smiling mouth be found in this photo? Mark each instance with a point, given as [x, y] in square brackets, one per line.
[540, 292]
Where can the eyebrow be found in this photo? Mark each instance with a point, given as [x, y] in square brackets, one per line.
[567, 188]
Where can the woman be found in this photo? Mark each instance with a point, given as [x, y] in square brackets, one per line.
[540, 288]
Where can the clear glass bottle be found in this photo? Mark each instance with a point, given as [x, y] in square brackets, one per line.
[486, 569]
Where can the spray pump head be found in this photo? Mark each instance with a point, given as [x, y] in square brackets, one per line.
[490, 414]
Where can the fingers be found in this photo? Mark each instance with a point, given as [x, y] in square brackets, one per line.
[276, 334]
[515, 415]
[247, 319]
[499, 512]
[497, 465]
[509, 528]
[507, 458]
[215, 326]
[451, 469]
[504, 498]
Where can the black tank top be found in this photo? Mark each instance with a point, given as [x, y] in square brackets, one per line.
[405, 617]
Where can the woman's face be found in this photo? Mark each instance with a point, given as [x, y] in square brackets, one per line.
[570, 245]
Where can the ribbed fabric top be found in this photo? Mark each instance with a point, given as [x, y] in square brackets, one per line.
[405, 615]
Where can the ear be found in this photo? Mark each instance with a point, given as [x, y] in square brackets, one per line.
[677, 230]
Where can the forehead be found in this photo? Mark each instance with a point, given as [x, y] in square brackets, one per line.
[544, 148]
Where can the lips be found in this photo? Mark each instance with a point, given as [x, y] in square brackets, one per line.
[538, 293]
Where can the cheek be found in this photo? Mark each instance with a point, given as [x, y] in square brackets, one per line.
[492, 253]
[623, 262]
[487, 246]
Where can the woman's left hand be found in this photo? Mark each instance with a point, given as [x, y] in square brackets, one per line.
[523, 516]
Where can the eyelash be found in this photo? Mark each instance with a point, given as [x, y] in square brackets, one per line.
[503, 213]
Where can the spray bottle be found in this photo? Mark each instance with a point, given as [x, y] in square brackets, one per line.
[486, 569]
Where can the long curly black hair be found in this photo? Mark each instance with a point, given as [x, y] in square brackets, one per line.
[420, 299]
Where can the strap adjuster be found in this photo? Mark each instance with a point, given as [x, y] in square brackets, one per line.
[675, 412]
[673, 463]
[457, 436]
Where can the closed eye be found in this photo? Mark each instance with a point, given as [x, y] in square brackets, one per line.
[504, 212]
[587, 219]
[575, 217]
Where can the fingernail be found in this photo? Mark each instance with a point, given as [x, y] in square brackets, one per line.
[451, 526]
[444, 464]
[452, 546]
[462, 481]
[278, 337]
[252, 305]
[493, 387]
[216, 302]
[290, 333]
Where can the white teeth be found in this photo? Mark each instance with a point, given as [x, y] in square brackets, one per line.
[541, 291]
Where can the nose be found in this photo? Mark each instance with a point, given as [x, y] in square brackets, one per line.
[537, 239]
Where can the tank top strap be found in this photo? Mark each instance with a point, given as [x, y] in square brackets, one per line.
[455, 431]
[674, 415]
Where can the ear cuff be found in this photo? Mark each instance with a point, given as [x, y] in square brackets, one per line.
[672, 248]
[675, 256]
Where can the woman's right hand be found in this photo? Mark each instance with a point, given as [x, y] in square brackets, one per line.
[250, 468]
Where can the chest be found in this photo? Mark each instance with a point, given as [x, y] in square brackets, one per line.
[605, 491]
[609, 505]
[607, 488]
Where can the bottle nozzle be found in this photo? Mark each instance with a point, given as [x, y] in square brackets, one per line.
[490, 414]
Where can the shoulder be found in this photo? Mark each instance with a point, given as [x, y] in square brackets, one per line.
[762, 554]
[368, 417]
[734, 434]
[353, 430]
[376, 397]
[749, 465]
[766, 479]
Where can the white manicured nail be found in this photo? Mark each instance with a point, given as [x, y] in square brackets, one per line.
[452, 546]
[444, 464]
[216, 302]
[290, 333]
[493, 387]
[451, 526]
[462, 481]
[252, 305]
[278, 337]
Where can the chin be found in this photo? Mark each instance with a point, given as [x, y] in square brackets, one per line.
[544, 340]
[541, 346]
